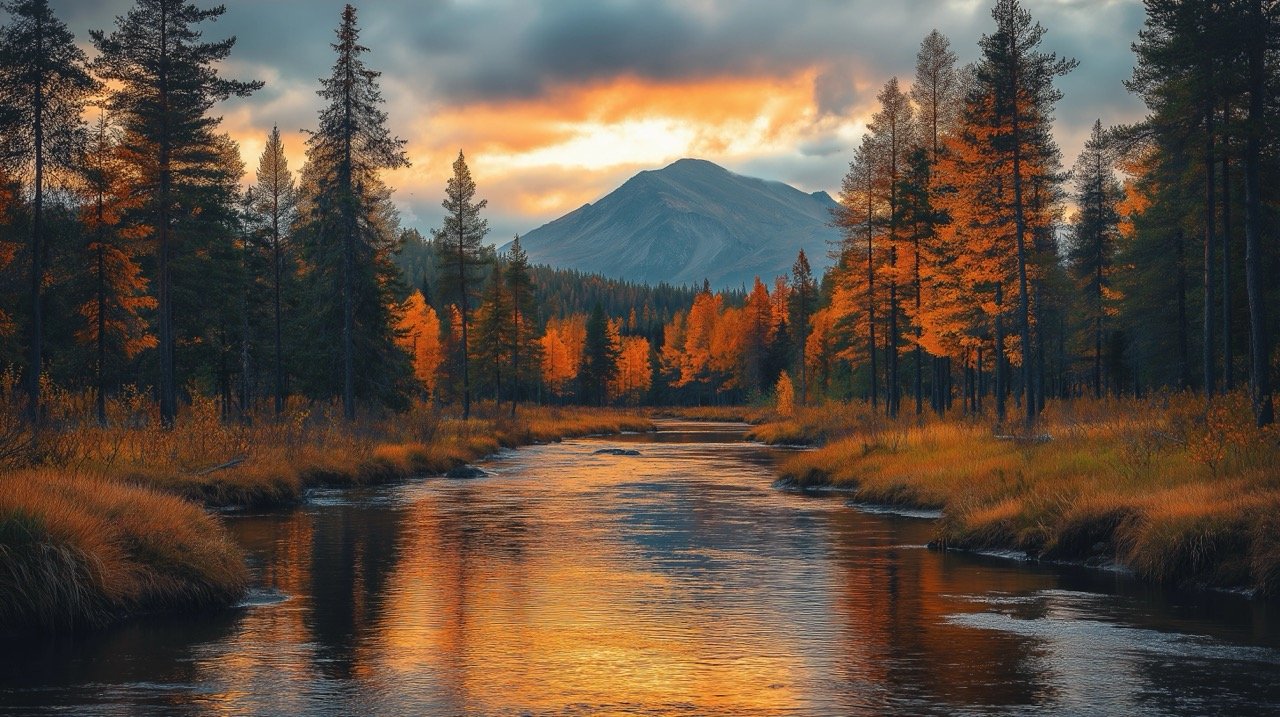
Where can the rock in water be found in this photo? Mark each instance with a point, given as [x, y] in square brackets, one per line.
[465, 472]
[616, 452]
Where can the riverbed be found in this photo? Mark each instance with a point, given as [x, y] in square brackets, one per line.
[674, 582]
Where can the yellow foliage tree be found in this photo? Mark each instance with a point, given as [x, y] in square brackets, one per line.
[418, 333]
[635, 373]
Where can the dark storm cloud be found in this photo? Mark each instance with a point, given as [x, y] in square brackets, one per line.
[491, 50]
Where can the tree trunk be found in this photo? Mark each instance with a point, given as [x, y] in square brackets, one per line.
[1210, 221]
[1260, 343]
[37, 242]
[1228, 369]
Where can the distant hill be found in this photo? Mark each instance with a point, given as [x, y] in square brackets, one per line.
[688, 221]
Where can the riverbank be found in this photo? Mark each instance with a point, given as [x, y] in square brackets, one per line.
[115, 520]
[1175, 493]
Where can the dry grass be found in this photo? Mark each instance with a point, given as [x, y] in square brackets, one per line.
[1176, 492]
[98, 522]
[82, 550]
[270, 462]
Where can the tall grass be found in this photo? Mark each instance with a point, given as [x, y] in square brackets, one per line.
[80, 550]
[1177, 491]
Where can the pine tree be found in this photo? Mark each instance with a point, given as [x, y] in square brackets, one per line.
[353, 218]
[599, 358]
[43, 88]
[460, 238]
[804, 295]
[494, 334]
[1018, 81]
[892, 130]
[163, 83]
[1094, 237]
[519, 286]
[277, 207]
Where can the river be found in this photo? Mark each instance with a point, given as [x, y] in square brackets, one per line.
[675, 582]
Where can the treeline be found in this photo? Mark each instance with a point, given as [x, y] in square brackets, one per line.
[961, 277]
[975, 273]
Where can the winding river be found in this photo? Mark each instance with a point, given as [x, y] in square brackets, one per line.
[675, 582]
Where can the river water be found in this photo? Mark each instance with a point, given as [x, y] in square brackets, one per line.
[676, 582]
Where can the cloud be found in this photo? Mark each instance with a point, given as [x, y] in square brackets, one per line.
[556, 103]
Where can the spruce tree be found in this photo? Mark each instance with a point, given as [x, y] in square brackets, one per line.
[599, 358]
[461, 257]
[519, 287]
[164, 80]
[804, 296]
[276, 206]
[1094, 235]
[351, 217]
[44, 84]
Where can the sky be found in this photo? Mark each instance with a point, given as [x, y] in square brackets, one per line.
[556, 103]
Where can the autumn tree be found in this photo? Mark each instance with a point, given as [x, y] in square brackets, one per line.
[164, 80]
[113, 316]
[460, 237]
[1017, 81]
[892, 131]
[44, 84]
[635, 372]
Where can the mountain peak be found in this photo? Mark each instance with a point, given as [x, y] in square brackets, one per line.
[688, 220]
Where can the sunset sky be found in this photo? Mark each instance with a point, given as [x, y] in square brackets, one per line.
[556, 103]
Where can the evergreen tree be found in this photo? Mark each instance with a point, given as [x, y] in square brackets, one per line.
[599, 358]
[1017, 80]
[43, 88]
[803, 297]
[1094, 237]
[519, 286]
[163, 83]
[461, 257]
[276, 206]
[352, 221]
[495, 338]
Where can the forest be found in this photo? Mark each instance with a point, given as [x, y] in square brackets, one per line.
[140, 255]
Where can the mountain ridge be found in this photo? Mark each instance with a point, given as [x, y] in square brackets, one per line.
[689, 221]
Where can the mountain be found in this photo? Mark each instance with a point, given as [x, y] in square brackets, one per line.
[688, 221]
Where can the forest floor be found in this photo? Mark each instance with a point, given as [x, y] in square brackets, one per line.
[1177, 491]
[108, 522]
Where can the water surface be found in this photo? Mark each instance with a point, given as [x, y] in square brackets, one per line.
[677, 582]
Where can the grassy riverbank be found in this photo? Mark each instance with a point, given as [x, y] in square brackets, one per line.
[1176, 493]
[107, 522]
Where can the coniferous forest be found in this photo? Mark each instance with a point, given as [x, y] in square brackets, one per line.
[1067, 357]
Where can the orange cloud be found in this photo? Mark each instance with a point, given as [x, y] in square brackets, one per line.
[537, 158]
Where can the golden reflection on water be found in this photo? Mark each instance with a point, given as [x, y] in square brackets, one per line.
[675, 582]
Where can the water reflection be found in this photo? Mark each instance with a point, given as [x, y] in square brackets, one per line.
[674, 582]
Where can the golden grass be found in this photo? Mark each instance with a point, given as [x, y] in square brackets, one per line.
[1175, 491]
[82, 550]
[107, 521]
